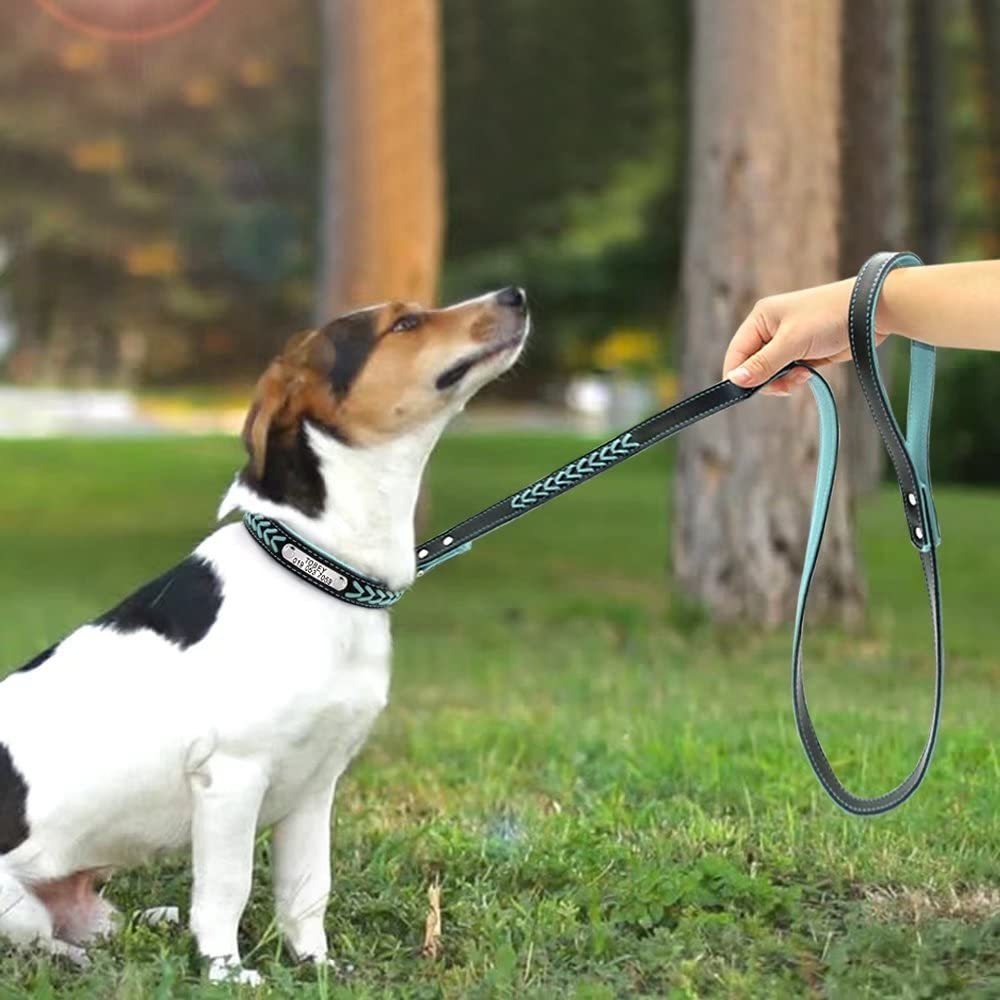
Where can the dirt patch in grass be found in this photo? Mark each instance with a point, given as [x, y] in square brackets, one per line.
[915, 906]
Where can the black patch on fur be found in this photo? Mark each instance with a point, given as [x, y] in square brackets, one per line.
[353, 337]
[181, 605]
[453, 375]
[13, 804]
[291, 473]
[38, 660]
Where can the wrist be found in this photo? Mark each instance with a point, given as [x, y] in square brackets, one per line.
[887, 313]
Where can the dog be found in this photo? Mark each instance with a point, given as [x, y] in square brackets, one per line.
[238, 692]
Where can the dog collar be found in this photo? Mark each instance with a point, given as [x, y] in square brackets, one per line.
[317, 567]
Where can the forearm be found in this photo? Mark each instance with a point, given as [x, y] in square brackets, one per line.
[948, 305]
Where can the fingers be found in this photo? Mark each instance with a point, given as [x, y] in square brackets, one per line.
[787, 384]
[752, 335]
[759, 367]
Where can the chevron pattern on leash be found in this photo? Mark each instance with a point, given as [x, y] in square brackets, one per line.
[595, 461]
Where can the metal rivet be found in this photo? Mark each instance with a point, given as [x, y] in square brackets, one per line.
[911, 499]
[919, 532]
[447, 540]
[422, 554]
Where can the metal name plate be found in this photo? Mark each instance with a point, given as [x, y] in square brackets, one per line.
[316, 570]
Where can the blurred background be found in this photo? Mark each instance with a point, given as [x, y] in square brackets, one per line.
[176, 203]
[185, 183]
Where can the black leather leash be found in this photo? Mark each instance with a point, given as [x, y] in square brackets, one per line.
[909, 458]
[653, 430]
[910, 461]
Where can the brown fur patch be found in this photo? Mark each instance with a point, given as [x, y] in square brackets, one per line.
[361, 380]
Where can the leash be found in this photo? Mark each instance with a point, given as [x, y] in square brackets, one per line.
[909, 457]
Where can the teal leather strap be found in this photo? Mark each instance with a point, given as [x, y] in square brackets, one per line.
[910, 461]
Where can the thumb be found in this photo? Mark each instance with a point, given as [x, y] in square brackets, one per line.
[759, 367]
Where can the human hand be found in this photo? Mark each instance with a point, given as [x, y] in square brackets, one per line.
[808, 325]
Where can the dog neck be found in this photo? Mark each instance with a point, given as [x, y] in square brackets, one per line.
[370, 497]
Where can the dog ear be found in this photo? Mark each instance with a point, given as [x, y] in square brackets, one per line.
[272, 395]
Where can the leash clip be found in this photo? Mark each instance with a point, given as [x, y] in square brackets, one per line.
[444, 557]
[928, 516]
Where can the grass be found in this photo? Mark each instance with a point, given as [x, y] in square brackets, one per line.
[610, 792]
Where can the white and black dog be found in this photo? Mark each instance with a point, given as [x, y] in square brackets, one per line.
[237, 692]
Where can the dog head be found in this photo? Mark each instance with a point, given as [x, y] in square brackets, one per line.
[381, 373]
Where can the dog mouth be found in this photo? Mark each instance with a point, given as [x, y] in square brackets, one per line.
[453, 375]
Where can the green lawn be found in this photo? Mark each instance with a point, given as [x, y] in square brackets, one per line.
[610, 791]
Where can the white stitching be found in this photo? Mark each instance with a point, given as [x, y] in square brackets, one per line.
[455, 529]
[904, 473]
[837, 791]
[810, 738]
[493, 525]
[890, 264]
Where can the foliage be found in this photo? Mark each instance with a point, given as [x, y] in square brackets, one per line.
[565, 156]
[160, 200]
[611, 792]
[966, 428]
[157, 191]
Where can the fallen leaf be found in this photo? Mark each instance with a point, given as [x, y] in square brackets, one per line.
[432, 925]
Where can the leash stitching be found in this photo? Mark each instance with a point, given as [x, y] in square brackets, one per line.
[493, 525]
[456, 529]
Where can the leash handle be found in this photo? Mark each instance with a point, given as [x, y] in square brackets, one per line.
[910, 461]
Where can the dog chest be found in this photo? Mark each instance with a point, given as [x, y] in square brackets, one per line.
[322, 720]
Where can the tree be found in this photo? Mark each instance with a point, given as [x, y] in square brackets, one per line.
[930, 132]
[763, 218]
[872, 192]
[381, 180]
[153, 200]
[987, 21]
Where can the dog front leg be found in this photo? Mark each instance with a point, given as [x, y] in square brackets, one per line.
[301, 867]
[226, 797]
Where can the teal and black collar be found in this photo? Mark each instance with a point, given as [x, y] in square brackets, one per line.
[317, 567]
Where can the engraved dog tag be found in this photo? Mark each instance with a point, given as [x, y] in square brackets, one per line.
[316, 570]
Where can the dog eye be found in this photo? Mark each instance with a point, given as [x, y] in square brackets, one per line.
[408, 322]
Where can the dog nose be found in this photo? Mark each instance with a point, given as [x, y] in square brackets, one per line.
[513, 297]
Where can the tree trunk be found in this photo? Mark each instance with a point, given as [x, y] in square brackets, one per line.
[382, 196]
[930, 137]
[382, 185]
[987, 21]
[872, 192]
[763, 218]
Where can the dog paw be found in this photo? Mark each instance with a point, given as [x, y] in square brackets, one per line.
[158, 916]
[71, 952]
[105, 922]
[225, 970]
[342, 970]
